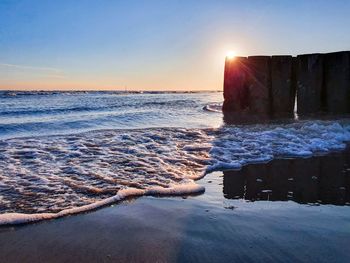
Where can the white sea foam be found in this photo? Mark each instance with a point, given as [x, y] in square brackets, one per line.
[21, 218]
[237, 146]
[214, 107]
[50, 177]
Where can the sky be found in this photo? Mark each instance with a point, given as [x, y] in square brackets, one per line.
[155, 44]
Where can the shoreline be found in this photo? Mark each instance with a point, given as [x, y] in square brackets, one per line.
[253, 171]
[211, 227]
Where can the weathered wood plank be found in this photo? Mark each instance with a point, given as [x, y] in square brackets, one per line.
[235, 85]
[282, 85]
[259, 78]
[337, 82]
[309, 77]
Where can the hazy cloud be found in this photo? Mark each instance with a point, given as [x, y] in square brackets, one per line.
[30, 67]
[49, 72]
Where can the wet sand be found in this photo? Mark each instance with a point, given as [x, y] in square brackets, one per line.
[285, 211]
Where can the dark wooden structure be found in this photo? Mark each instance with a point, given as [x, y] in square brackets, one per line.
[271, 85]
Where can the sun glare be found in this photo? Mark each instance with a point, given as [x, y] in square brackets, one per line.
[231, 54]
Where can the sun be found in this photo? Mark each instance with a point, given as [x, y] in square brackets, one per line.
[230, 54]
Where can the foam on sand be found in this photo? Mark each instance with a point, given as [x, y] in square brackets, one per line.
[50, 177]
[20, 218]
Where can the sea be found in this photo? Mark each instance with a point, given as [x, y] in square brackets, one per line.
[63, 153]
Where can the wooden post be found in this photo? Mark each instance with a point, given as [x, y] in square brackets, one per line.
[282, 85]
[235, 84]
[309, 77]
[337, 82]
[259, 78]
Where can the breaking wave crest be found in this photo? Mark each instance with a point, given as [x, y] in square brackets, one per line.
[50, 177]
[213, 107]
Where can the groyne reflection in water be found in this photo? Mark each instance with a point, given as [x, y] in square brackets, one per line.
[317, 180]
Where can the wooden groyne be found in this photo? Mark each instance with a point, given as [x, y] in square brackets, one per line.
[271, 84]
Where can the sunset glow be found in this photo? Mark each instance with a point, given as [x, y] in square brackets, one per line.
[118, 44]
[174, 131]
[231, 54]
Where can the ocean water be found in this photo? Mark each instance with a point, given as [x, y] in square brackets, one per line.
[68, 152]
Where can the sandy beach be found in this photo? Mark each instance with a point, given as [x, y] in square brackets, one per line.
[221, 225]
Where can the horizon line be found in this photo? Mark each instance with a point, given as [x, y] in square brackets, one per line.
[121, 90]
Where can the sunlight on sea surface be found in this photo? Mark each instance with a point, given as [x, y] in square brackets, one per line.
[63, 153]
[25, 114]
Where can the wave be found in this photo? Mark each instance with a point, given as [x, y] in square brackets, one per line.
[53, 176]
[213, 107]
[78, 112]
[88, 108]
[235, 147]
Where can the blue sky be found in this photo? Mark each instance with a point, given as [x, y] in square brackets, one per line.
[156, 45]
